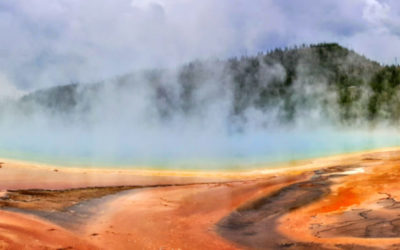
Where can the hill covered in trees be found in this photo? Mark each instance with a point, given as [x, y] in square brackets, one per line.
[323, 83]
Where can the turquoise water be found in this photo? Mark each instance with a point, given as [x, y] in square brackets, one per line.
[204, 152]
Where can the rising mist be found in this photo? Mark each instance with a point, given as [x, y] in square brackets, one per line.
[281, 105]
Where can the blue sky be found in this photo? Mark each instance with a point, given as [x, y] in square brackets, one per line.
[50, 42]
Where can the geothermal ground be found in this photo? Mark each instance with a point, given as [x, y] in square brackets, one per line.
[344, 202]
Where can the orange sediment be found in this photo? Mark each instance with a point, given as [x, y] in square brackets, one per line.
[186, 216]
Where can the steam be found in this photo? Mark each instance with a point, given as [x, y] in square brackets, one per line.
[8, 89]
[173, 115]
[186, 117]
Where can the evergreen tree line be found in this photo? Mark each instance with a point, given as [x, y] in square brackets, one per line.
[336, 83]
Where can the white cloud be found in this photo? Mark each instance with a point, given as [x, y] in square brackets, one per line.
[375, 11]
[143, 4]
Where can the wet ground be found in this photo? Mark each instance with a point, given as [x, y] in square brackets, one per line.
[341, 203]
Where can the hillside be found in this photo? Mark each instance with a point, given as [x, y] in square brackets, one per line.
[323, 82]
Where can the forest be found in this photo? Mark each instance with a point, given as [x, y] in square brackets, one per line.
[324, 81]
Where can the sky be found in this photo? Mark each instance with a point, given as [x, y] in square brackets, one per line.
[51, 42]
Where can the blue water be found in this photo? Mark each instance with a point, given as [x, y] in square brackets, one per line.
[242, 151]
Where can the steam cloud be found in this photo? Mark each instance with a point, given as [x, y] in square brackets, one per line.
[190, 116]
[154, 117]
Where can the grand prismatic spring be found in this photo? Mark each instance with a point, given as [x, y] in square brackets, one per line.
[182, 124]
